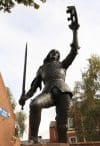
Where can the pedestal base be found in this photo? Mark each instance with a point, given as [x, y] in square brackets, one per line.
[26, 143]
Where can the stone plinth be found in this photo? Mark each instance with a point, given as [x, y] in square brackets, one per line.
[48, 144]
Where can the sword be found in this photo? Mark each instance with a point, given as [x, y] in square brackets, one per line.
[24, 75]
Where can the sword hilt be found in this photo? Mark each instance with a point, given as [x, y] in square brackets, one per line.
[22, 100]
[22, 107]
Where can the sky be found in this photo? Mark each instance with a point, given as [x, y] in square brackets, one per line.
[45, 29]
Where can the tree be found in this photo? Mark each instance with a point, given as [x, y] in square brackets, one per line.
[75, 114]
[13, 103]
[91, 77]
[20, 119]
[20, 116]
[89, 105]
[7, 5]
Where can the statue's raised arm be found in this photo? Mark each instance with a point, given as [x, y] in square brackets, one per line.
[74, 26]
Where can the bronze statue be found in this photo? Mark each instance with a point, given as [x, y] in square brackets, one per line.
[56, 92]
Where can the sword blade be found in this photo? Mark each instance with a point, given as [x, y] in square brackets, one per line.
[24, 72]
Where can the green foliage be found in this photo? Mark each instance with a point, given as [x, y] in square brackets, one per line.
[86, 113]
[7, 5]
[91, 77]
[13, 103]
[76, 115]
[20, 119]
[20, 116]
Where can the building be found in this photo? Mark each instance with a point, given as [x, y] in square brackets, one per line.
[7, 118]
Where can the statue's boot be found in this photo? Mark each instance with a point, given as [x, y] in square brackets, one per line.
[33, 140]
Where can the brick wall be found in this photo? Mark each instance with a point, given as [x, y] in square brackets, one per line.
[53, 133]
[7, 125]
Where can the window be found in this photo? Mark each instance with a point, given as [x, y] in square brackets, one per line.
[73, 139]
[3, 113]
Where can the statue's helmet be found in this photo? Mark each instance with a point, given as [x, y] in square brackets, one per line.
[53, 55]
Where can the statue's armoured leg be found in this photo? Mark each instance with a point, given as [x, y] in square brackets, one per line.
[42, 101]
[34, 122]
[62, 107]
